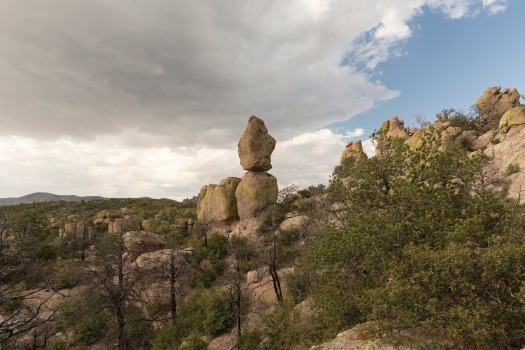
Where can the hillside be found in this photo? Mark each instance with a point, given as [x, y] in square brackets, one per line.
[45, 197]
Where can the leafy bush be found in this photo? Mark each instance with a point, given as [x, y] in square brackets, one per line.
[90, 330]
[67, 274]
[210, 258]
[418, 249]
[58, 344]
[193, 342]
[512, 168]
[202, 312]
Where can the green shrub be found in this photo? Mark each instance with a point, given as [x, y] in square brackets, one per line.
[202, 312]
[67, 274]
[90, 330]
[250, 340]
[58, 344]
[217, 314]
[160, 306]
[193, 342]
[512, 168]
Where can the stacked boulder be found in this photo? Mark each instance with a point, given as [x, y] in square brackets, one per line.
[218, 202]
[257, 189]
[243, 201]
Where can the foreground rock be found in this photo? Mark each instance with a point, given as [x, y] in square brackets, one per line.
[218, 202]
[256, 146]
[255, 193]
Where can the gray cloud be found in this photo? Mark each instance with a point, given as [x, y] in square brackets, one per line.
[185, 71]
[162, 89]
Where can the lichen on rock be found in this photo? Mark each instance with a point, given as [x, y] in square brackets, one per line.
[256, 146]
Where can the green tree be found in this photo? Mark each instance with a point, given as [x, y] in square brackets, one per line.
[416, 245]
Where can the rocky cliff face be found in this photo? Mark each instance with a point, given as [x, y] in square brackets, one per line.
[500, 139]
[241, 205]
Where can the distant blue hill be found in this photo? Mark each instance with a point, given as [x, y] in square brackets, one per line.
[45, 197]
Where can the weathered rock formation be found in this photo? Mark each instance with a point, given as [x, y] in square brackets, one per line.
[256, 146]
[501, 140]
[394, 127]
[494, 103]
[255, 192]
[218, 202]
[139, 242]
[245, 199]
[161, 259]
[76, 231]
[353, 150]
[298, 222]
[257, 189]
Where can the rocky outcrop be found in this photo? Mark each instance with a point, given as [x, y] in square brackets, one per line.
[294, 223]
[161, 259]
[76, 231]
[394, 127]
[139, 242]
[499, 136]
[256, 146]
[359, 338]
[513, 117]
[494, 103]
[255, 193]
[353, 150]
[218, 202]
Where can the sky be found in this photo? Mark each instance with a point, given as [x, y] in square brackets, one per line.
[149, 98]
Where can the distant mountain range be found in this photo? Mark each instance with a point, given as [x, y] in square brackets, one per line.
[45, 197]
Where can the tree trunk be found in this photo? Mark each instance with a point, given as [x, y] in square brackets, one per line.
[238, 304]
[273, 271]
[121, 320]
[173, 300]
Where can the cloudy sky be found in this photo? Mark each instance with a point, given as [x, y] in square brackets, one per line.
[129, 98]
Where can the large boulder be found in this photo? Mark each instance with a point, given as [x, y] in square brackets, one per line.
[494, 103]
[218, 202]
[255, 193]
[139, 242]
[353, 150]
[256, 146]
[513, 117]
[293, 223]
[161, 259]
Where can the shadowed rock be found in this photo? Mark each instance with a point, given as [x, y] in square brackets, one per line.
[217, 202]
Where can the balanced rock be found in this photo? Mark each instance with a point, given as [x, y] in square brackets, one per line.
[255, 193]
[218, 202]
[256, 146]
[353, 150]
[139, 242]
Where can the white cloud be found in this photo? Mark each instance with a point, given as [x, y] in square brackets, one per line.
[495, 6]
[149, 97]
